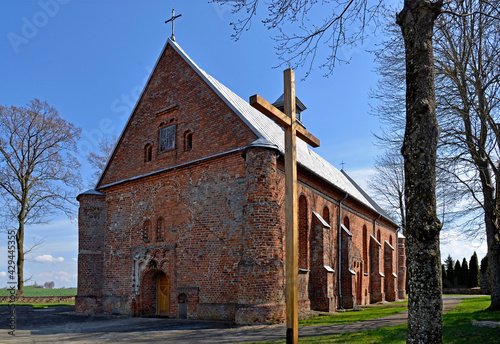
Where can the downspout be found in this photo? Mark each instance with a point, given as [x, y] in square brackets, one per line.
[339, 274]
[397, 262]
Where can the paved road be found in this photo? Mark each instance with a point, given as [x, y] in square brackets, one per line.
[63, 325]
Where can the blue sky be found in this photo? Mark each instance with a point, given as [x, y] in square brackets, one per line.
[90, 60]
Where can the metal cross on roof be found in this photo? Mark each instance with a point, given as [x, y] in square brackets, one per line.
[173, 21]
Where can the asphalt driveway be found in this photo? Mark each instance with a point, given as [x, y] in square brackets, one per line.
[63, 325]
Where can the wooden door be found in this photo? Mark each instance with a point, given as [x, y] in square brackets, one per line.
[162, 295]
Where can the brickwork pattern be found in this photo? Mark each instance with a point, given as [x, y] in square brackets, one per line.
[212, 221]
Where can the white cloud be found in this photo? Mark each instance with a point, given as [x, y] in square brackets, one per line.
[75, 259]
[3, 274]
[460, 246]
[47, 258]
[60, 276]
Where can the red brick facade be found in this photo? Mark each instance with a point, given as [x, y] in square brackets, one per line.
[207, 212]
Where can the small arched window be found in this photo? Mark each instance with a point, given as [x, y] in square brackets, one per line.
[346, 222]
[390, 240]
[326, 215]
[148, 152]
[159, 229]
[378, 235]
[188, 140]
[145, 230]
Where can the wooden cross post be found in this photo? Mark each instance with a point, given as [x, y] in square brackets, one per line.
[292, 130]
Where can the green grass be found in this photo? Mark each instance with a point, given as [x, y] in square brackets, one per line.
[457, 328]
[352, 316]
[41, 305]
[31, 291]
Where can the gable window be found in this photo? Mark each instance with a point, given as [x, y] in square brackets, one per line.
[148, 152]
[188, 140]
[167, 138]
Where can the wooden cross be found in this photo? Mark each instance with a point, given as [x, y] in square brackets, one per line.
[292, 130]
[173, 21]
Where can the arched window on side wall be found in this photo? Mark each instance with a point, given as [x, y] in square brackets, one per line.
[159, 229]
[378, 235]
[303, 234]
[326, 214]
[346, 222]
[148, 152]
[365, 248]
[145, 230]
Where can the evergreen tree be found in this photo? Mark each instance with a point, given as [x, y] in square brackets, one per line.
[473, 271]
[484, 273]
[450, 276]
[458, 273]
[464, 274]
[443, 275]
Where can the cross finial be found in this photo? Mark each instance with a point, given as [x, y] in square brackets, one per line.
[342, 164]
[173, 21]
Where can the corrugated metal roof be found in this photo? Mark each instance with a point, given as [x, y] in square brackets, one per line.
[266, 128]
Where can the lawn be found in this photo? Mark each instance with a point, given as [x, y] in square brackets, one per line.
[31, 291]
[352, 316]
[457, 328]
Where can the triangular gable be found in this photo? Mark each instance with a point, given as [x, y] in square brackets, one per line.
[222, 92]
[264, 127]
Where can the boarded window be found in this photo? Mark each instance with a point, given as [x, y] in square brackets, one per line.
[145, 229]
[159, 229]
[167, 138]
[303, 234]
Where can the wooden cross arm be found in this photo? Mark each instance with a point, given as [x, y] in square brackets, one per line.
[281, 119]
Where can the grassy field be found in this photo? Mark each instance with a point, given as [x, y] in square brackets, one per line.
[31, 291]
[41, 305]
[457, 328]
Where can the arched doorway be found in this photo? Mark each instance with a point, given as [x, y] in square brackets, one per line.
[162, 292]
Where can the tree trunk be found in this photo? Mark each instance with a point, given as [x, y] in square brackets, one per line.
[20, 258]
[492, 233]
[425, 307]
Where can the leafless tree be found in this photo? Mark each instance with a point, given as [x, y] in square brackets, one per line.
[388, 185]
[467, 86]
[99, 159]
[38, 170]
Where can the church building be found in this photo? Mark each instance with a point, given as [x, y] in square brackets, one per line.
[187, 218]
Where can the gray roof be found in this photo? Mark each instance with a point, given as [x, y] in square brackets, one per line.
[267, 129]
[271, 133]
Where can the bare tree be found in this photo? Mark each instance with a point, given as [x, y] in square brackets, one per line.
[99, 159]
[388, 185]
[467, 86]
[38, 170]
[469, 77]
